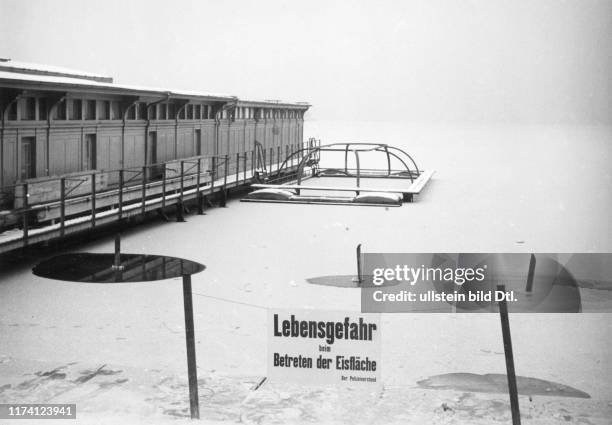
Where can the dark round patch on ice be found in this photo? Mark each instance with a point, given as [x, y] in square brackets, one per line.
[345, 281]
[498, 383]
[98, 268]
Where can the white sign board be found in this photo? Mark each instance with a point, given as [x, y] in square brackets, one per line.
[323, 347]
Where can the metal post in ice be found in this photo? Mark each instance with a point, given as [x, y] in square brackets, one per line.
[530, 274]
[359, 275]
[117, 262]
[194, 405]
[117, 267]
[180, 218]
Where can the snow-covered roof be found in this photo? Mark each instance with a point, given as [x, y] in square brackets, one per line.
[58, 71]
[51, 82]
[52, 77]
[49, 77]
[272, 104]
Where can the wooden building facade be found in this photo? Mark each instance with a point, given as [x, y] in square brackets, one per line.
[54, 122]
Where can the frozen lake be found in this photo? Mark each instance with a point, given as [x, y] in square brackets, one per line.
[496, 189]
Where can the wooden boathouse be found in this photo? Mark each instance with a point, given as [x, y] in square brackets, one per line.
[78, 150]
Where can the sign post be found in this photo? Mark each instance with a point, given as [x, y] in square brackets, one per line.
[512, 387]
[126, 268]
[194, 406]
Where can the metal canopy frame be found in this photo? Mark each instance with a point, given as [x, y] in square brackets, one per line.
[309, 158]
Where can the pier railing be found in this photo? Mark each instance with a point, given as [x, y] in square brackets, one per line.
[50, 207]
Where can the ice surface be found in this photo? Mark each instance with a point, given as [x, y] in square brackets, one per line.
[549, 187]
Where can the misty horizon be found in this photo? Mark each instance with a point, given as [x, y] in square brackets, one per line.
[441, 62]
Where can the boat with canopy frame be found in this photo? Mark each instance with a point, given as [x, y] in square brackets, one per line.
[392, 163]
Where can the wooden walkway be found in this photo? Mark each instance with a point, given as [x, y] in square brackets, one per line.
[115, 205]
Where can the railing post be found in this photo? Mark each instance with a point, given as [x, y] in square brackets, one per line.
[237, 167]
[198, 169]
[62, 205]
[225, 171]
[346, 151]
[164, 187]
[144, 189]
[213, 175]
[120, 215]
[182, 178]
[278, 157]
[179, 203]
[224, 191]
[358, 171]
[271, 157]
[245, 165]
[93, 200]
[198, 194]
[26, 207]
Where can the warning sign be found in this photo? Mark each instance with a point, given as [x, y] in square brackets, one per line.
[323, 347]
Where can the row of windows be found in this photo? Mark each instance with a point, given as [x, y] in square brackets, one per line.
[252, 113]
[32, 108]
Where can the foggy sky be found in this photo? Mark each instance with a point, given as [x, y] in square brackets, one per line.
[425, 61]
